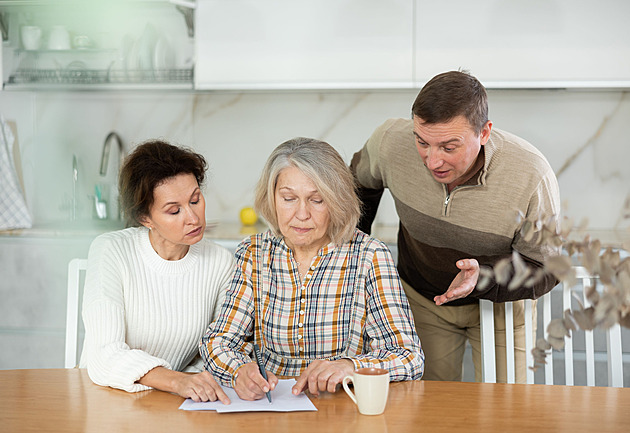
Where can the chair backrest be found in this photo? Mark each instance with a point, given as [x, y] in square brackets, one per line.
[613, 340]
[75, 267]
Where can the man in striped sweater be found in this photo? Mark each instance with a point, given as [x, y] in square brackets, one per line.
[458, 185]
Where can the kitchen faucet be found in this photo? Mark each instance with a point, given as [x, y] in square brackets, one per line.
[106, 149]
[100, 200]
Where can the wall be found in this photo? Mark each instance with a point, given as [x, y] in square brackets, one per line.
[583, 134]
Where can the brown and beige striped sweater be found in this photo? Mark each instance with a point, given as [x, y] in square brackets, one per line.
[476, 220]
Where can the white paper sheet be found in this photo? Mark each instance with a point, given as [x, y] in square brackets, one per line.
[282, 400]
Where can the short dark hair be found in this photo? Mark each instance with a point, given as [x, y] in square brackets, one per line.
[452, 94]
[147, 167]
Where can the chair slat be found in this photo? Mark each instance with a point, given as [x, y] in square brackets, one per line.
[615, 357]
[529, 339]
[589, 345]
[509, 341]
[488, 367]
[72, 311]
[568, 341]
[546, 319]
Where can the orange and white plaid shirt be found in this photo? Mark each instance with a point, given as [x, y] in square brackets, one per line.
[349, 305]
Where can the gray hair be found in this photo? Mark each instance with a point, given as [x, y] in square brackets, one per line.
[323, 165]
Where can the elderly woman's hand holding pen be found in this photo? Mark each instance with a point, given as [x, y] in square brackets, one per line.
[249, 383]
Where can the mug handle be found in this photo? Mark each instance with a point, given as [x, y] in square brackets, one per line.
[347, 389]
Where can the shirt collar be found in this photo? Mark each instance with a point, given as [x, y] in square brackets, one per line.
[323, 251]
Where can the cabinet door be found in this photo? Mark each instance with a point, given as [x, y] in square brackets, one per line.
[284, 44]
[525, 43]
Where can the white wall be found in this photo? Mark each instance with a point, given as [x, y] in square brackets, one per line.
[583, 134]
[236, 132]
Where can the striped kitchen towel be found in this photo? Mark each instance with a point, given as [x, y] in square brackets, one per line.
[13, 211]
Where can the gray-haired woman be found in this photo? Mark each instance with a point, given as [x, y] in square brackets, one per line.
[319, 296]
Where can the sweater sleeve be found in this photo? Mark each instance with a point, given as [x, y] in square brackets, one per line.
[224, 345]
[109, 360]
[394, 343]
[544, 205]
[367, 173]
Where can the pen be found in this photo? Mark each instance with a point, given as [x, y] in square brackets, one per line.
[261, 367]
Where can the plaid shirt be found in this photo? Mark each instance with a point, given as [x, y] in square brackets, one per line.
[349, 305]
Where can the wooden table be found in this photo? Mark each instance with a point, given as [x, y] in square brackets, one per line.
[67, 401]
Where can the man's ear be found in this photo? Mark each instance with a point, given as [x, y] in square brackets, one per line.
[485, 132]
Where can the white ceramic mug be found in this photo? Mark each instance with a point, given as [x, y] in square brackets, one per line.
[371, 387]
[31, 37]
[81, 42]
[58, 38]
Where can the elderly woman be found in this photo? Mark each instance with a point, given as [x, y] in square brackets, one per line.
[152, 290]
[320, 297]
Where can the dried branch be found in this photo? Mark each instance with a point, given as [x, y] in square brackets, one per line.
[609, 306]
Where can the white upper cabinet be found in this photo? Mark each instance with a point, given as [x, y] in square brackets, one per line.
[526, 43]
[303, 44]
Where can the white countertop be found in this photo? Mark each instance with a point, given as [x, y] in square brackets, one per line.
[227, 231]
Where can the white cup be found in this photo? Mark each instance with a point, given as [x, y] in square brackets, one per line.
[371, 387]
[31, 37]
[81, 42]
[58, 38]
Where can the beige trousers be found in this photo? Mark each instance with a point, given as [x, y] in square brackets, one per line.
[443, 331]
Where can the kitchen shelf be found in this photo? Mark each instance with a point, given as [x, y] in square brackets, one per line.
[58, 2]
[621, 85]
[51, 79]
[70, 50]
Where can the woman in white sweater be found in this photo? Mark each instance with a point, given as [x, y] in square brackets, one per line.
[151, 291]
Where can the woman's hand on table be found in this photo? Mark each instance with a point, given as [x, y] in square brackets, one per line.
[249, 383]
[197, 386]
[323, 375]
[200, 387]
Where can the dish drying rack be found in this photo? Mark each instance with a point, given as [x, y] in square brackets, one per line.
[100, 76]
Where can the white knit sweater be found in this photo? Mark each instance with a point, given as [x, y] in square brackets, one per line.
[141, 311]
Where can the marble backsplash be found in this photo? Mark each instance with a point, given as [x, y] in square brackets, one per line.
[583, 134]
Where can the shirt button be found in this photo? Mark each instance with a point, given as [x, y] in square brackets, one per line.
[300, 349]
[303, 287]
[301, 312]
[302, 300]
[299, 337]
[300, 324]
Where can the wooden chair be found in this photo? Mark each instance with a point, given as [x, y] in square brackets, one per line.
[613, 340]
[75, 267]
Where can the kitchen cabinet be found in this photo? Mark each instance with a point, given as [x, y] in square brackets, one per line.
[245, 45]
[371, 44]
[70, 44]
[33, 287]
[303, 44]
[525, 44]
